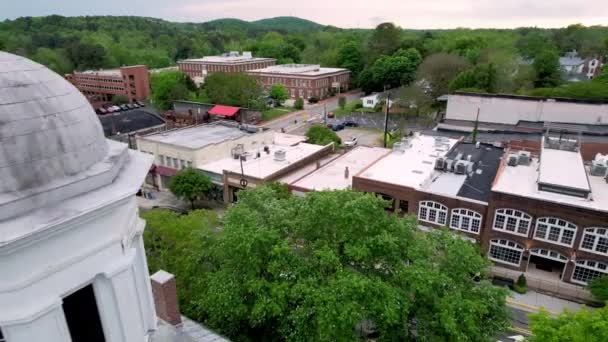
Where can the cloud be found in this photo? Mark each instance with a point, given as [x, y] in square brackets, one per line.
[342, 13]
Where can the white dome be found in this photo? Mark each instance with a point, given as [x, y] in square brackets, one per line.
[48, 129]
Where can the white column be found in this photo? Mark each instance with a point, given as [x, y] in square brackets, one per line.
[44, 326]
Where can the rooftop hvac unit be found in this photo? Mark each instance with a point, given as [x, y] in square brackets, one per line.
[449, 164]
[247, 54]
[439, 164]
[598, 168]
[524, 158]
[280, 155]
[461, 167]
[400, 146]
[512, 159]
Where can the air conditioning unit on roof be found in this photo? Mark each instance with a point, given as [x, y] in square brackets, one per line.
[524, 158]
[439, 163]
[512, 159]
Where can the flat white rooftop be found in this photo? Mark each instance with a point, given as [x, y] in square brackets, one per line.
[521, 181]
[265, 165]
[198, 136]
[297, 69]
[333, 175]
[107, 72]
[226, 59]
[413, 167]
[563, 168]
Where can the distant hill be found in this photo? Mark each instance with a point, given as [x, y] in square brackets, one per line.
[281, 24]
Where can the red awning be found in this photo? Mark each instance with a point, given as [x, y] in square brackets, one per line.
[224, 110]
[165, 171]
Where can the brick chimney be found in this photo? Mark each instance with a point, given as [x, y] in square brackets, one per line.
[164, 291]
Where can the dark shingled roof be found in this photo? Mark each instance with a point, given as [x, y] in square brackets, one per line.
[487, 159]
[129, 121]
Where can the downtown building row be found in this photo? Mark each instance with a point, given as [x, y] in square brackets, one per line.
[301, 80]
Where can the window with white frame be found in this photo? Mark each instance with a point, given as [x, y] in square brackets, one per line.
[555, 230]
[587, 270]
[506, 251]
[595, 240]
[548, 254]
[432, 212]
[512, 221]
[466, 220]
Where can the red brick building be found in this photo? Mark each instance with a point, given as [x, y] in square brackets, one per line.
[304, 80]
[538, 209]
[100, 86]
[199, 68]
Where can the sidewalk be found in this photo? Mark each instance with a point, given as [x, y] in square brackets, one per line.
[533, 301]
[162, 199]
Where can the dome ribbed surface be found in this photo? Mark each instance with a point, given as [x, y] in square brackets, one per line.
[48, 129]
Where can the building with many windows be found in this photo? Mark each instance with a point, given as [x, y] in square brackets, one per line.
[233, 62]
[101, 86]
[304, 80]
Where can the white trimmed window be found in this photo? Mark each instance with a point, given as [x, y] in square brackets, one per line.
[512, 221]
[587, 270]
[548, 254]
[466, 220]
[505, 251]
[555, 230]
[595, 240]
[432, 212]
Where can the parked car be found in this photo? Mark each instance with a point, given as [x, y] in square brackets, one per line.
[351, 142]
[141, 104]
[116, 108]
[110, 109]
[331, 115]
[337, 127]
[124, 107]
[350, 123]
[135, 105]
[101, 110]
[132, 106]
[313, 99]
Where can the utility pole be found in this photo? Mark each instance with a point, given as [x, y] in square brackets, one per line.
[388, 101]
[325, 114]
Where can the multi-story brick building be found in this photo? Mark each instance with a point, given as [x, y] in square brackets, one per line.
[199, 68]
[100, 86]
[304, 80]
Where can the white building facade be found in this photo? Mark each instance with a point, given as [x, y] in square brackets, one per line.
[71, 251]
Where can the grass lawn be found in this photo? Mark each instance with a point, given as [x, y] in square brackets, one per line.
[350, 107]
[273, 113]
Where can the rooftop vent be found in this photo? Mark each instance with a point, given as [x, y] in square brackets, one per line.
[599, 165]
[462, 167]
[512, 159]
[524, 158]
[439, 164]
[280, 155]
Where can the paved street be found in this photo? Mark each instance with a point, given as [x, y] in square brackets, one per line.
[287, 121]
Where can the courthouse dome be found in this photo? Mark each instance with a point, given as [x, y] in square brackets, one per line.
[48, 129]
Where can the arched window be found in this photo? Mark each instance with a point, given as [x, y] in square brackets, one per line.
[432, 212]
[466, 220]
[595, 240]
[548, 254]
[512, 221]
[555, 230]
[506, 251]
[587, 270]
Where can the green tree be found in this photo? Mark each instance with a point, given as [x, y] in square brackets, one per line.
[190, 185]
[482, 77]
[546, 67]
[298, 103]
[599, 288]
[413, 100]
[320, 135]
[169, 86]
[389, 72]
[298, 269]
[438, 70]
[278, 93]
[351, 58]
[584, 325]
[235, 89]
[384, 40]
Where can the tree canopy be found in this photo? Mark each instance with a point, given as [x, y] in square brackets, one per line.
[190, 185]
[333, 266]
[169, 86]
[585, 325]
[320, 135]
[233, 89]
[278, 92]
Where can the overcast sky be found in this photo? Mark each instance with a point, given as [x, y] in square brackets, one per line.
[342, 13]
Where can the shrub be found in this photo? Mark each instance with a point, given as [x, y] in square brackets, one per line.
[599, 288]
[320, 135]
[299, 104]
[342, 102]
[357, 105]
[521, 286]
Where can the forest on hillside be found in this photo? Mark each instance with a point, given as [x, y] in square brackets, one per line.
[490, 60]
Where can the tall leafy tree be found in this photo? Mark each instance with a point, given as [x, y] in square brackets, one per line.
[234, 89]
[190, 185]
[300, 269]
[438, 70]
[584, 325]
[384, 40]
[169, 86]
[546, 68]
[279, 93]
[350, 57]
